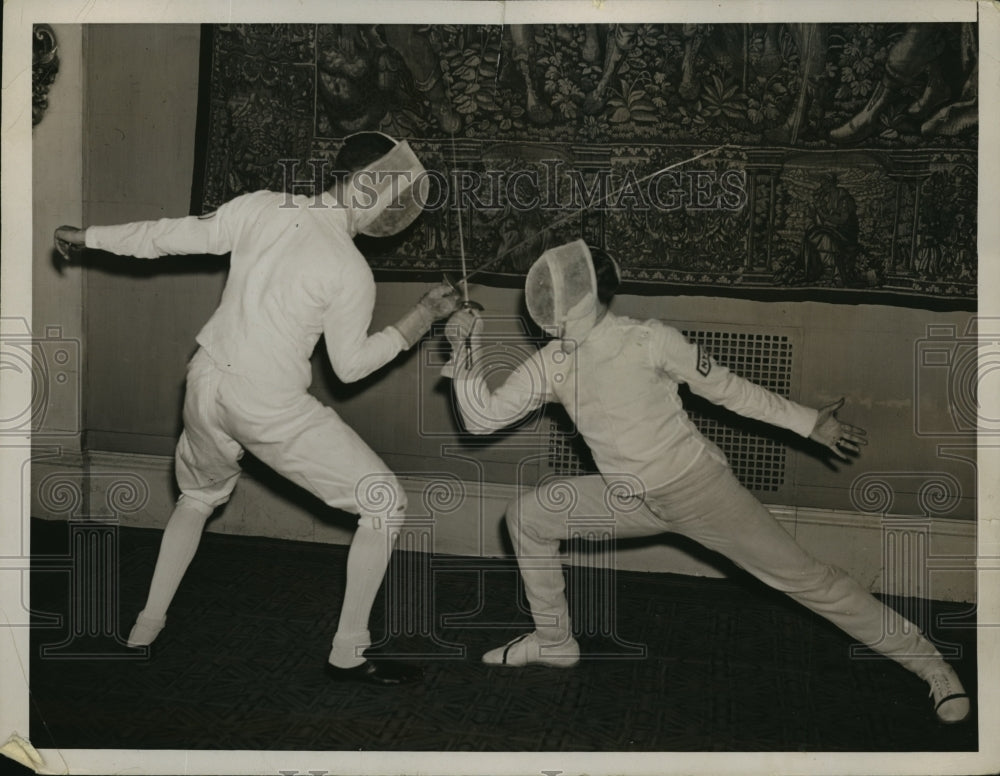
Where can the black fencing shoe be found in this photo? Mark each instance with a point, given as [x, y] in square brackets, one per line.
[376, 672]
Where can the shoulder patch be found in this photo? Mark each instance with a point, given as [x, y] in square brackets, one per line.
[704, 362]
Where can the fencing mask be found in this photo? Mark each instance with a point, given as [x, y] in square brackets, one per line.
[561, 292]
[386, 196]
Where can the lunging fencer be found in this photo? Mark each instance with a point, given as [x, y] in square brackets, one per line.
[618, 380]
[294, 274]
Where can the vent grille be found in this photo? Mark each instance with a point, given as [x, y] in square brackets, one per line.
[757, 460]
[568, 455]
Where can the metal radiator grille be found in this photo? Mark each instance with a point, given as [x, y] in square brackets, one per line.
[766, 359]
[567, 455]
[758, 461]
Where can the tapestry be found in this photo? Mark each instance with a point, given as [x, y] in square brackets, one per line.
[832, 162]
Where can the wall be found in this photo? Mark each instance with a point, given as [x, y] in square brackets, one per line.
[141, 317]
[140, 320]
[57, 287]
[867, 354]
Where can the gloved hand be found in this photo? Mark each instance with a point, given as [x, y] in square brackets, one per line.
[69, 238]
[462, 324]
[440, 301]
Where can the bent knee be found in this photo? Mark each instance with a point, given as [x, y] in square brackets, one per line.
[520, 510]
[527, 516]
[380, 494]
[194, 507]
[820, 579]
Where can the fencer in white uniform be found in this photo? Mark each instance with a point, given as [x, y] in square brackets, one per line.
[618, 380]
[295, 274]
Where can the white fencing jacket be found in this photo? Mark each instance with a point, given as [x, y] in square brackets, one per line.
[620, 388]
[294, 274]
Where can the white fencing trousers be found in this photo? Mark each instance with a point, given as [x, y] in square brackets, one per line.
[299, 438]
[290, 431]
[708, 505]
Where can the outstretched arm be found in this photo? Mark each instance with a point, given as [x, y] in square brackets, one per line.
[212, 233]
[689, 363]
[484, 410]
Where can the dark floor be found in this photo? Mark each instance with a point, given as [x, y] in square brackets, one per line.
[687, 664]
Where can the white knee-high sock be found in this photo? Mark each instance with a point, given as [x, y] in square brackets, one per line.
[177, 548]
[367, 561]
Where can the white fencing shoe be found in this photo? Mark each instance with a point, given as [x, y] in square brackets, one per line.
[527, 649]
[145, 630]
[951, 703]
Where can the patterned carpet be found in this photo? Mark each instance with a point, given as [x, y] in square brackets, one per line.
[686, 664]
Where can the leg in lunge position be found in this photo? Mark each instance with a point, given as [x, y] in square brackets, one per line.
[537, 521]
[206, 464]
[177, 548]
[711, 507]
[298, 438]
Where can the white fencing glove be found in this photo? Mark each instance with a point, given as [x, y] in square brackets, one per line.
[437, 303]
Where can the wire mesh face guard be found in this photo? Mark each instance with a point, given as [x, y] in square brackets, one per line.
[561, 292]
[387, 195]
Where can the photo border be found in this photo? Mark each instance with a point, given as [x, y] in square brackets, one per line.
[15, 302]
